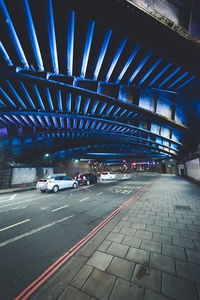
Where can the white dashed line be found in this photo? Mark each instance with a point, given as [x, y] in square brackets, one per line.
[59, 208]
[99, 193]
[16, 224]
[12, 197]
[84, 199]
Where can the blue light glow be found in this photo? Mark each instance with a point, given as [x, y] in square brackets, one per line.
[139, 67]
[168, 78]
[13, 35]
[81, 124]
[186, 82]
[49, 99]
[99, 125]
[93, 125]
[116, 111]
[5, 55]
[75, 123]
[70, 42]
[7, 97]
[150, 70]
[62, 123]
[102, 108]
[15, 94]
[55, 122]
[87, 103]
[68, 103]
[60, 108]
[177, 80]
[95, 107]
[117, 55]
[129, 61]
[32, 35]
[41, 122]
[26, 121]
[52, 36]
[48, 122]
[102, 53]
[38, 97]
[160, 74]
[88, 43]
[18, 120]
[68, 124]
[2, 103]
[27, 95]
[123, 112]
[109, 110]
[33, 120]
[78, 104]
[87, 124]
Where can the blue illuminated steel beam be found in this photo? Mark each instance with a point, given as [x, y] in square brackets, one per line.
[78, 104]
[62, 123]
[13, 35]
[87, 103]
[150, 71]
[116, 111]
[49, 98]
[7, 98]
[160, 74]
[70, 42]
[88, 43]
[102, 108]
[2, 103]
[69, 102]
[115, 60]
[32, 35]
[129, 61]
[33, 120]
[41, 121]
[184, 83]
[102, 54]
[109, 110]
[55, 122]
[18, 120]
[15, 94]
[11, 121]
[177, 80]
[169, 77]
[38, 97]
[94, 107]
[5, 55]
[27, 95]
[26, 121]
[60, 108]
[48, 122]
[143, 62]
[52, 36]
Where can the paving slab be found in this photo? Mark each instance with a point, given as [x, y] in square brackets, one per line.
[126, 290]
[121, 268]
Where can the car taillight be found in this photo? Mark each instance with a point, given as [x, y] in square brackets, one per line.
[49, 181]
[84, 177]
[75, 178]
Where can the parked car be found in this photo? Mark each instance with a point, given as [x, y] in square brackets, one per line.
[107, 175]
[86, 179]
[56, 183]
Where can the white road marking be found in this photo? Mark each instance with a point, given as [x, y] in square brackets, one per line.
[59, 208]
[84, 199]
[24, 201]
[16, 224]
[21, 236]
[99, 193]
[13, 196]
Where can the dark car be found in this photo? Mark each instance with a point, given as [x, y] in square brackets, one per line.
[86, 179]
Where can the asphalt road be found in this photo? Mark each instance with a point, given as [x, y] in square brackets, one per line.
[36, 229]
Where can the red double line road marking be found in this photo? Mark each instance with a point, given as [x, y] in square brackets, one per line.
[29, 290]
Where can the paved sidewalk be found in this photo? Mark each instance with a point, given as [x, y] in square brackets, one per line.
[149, 251]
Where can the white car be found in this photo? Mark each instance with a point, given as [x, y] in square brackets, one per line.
[56, 183]
[107, 175]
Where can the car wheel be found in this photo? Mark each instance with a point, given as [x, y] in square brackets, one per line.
[55, 188]
[74, 186]
[88, 182]
[42, 191]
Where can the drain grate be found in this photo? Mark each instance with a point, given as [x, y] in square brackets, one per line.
[182, 207]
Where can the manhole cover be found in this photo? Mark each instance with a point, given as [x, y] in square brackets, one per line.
[182, 207]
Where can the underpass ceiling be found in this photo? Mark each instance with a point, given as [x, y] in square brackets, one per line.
[77, 79]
